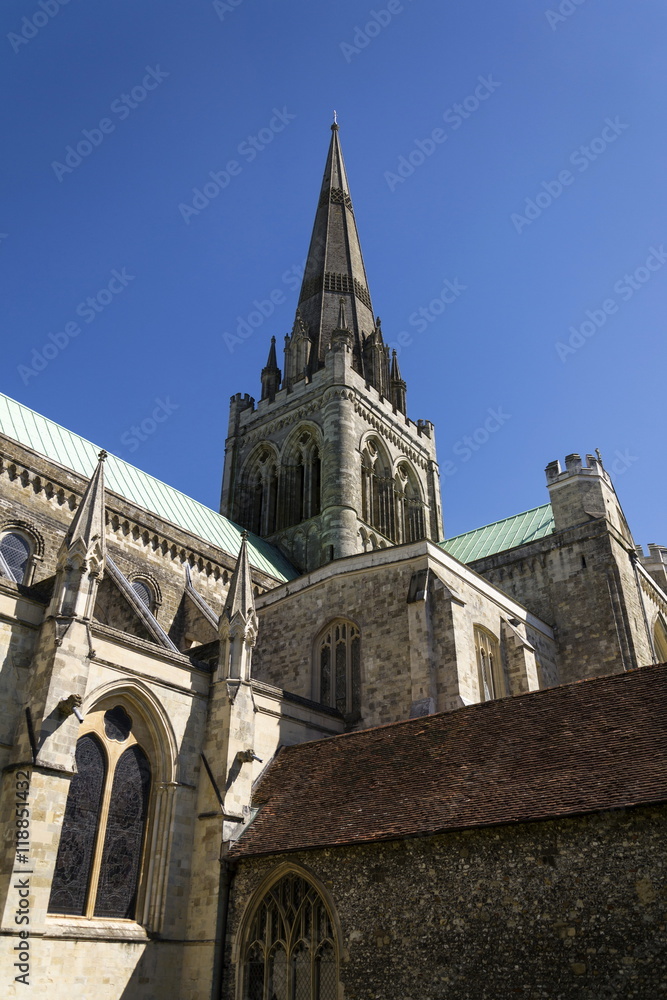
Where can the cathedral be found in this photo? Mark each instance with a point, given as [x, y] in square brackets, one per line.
[308, 748]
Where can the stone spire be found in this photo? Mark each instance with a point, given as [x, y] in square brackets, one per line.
[335, 266]
[82, 554]
[376, 360]
[341, 337]
[271, 374]
[397, 385]
[238, 621]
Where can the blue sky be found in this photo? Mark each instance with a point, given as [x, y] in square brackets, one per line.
[539, 197]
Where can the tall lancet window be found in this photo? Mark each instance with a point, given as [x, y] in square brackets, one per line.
[488, 665]
[289, 949]
[377, 489]
[101, 847]
[338, 668]
[410, 521]
[300, 480]
[260, 493]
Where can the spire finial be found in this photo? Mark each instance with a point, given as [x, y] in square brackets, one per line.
[271, 377]
[240, 597]
[334, 127]
[342, 322]
[102, 455]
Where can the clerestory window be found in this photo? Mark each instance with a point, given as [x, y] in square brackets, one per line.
[289, 948]
[15, 553]
[144, 592]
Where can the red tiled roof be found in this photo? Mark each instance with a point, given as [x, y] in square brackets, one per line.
[596, 744]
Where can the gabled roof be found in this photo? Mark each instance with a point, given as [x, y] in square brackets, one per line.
[76, 453]
[501, 535]
[594, 745]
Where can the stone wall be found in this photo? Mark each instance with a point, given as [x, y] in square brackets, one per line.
[571, 909]
[580, 580]
[341, 412]
[416, 656]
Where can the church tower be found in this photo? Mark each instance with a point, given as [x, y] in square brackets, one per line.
[328, 464]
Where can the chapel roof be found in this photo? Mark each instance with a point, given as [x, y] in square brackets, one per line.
[597, 744]
[74, 452]
[501, 535]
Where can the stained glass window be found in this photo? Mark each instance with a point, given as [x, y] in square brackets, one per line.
[117, 724]
[340, 668]
[77, 839]
[16, 552]
[119, 871]
[101, 843]
[289, 952]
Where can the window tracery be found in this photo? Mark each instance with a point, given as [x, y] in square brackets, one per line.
[391, 504]
[16, 550]
[100, 852]
[409, 505]
[339, 667]
[261, 493]
[300, 484]
[289, 951]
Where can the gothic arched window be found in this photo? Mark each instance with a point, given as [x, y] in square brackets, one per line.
[289, 949]
[300, 480]
[101, 843]
[15, 552]
[409, 505]
[260, 493]
[488, 664]
[377, 489]
[338, 667]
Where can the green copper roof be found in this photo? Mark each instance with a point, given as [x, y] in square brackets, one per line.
[501, 535]
[74, 452]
